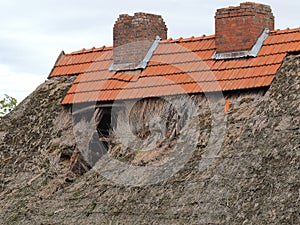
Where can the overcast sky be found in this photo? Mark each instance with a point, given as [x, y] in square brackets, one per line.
[33, 32]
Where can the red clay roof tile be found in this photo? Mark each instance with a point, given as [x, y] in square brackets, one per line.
[176, 67]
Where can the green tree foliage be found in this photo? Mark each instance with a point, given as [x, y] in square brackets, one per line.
[7, 104]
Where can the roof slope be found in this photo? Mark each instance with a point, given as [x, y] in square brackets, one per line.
[176, 67]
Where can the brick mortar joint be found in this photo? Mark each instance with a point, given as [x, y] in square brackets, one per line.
[246, 13]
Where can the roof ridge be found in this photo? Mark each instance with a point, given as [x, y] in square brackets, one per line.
[189, 39]
[170, 40]
[286, 31]
[180, 40]
[93, 49]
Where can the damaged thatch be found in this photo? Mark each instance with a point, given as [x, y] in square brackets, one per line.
[253, 180]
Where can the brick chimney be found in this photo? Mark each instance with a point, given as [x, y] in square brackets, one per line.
[134, 39]
[239, 28]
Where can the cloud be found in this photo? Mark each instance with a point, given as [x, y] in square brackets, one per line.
[17, 85]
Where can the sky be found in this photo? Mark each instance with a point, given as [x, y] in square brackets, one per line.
[34, 32]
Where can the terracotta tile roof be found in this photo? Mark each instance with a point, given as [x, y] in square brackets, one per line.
[177, 66]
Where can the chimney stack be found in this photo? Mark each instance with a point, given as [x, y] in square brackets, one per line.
[239, 28]
[134, 37]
